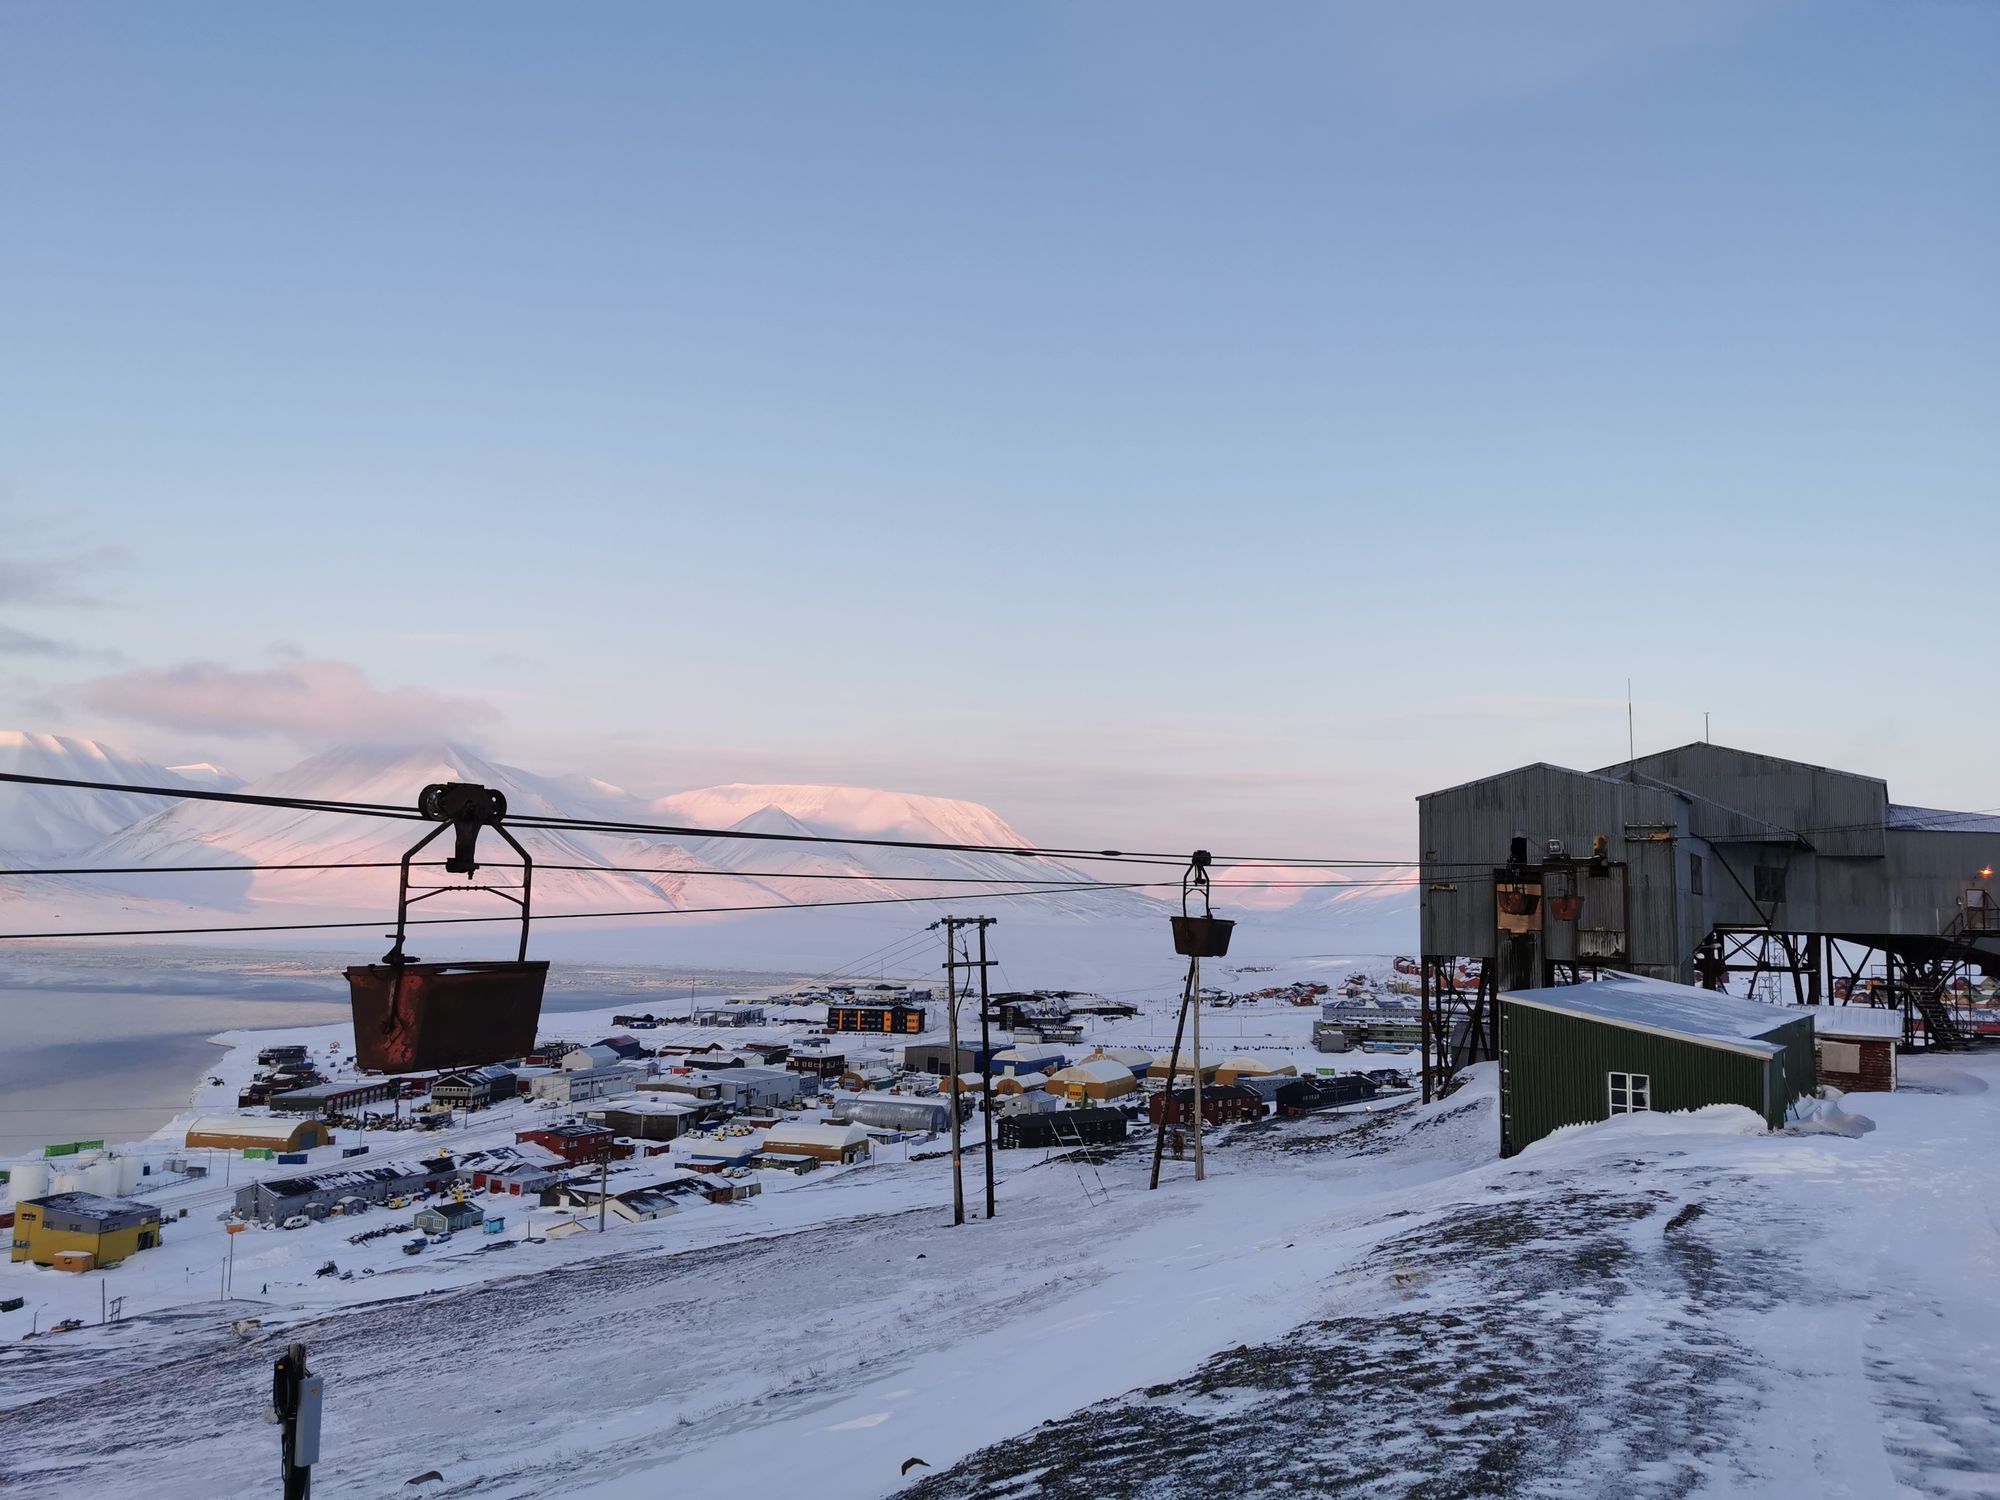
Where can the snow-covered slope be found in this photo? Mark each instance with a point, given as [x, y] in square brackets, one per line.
[37, 821]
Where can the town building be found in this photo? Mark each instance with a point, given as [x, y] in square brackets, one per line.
[1221, 1104]
[83, 1231]
[257, 1132]
[836, 1143]
[522, 1170]
[1095, 1079]
[448, 1218]
[626, 1047]
[578, 1144]
[343, 1098]
[729, 1015]
[824, 1066]
[1576, 1054]
[283, 1056]
[890, 1018]
[1097, 1126]
[592, 1059]
[475, 1088]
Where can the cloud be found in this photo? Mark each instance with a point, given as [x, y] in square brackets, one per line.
[312, 701]
[53, 580]
[15, 642]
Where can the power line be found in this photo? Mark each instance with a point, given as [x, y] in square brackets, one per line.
[561, 916]
[654, 870]
[554, 823]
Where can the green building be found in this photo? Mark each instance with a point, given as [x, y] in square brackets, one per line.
[1580, 1053]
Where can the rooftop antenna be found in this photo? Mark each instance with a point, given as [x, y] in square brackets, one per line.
[1631, 751]
[1704, 727]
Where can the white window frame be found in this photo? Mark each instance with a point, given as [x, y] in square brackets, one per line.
[1629, 1093]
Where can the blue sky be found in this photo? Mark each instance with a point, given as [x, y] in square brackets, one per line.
[1166, 423]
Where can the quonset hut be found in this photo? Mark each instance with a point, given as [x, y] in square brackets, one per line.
[1703, 864]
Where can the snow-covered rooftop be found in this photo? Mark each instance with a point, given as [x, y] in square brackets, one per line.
[1938, 820]
[1867, 1021]
[1666, 1009]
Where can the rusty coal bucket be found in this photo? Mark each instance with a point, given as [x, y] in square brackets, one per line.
[1201, 937]
[1565, 908]
[409, 1016]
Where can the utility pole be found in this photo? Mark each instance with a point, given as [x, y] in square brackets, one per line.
[296, 1397]
[1194, 988]
[952, 964]
[985, 1060]
[603, 1185]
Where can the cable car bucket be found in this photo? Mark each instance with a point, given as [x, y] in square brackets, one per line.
[1205, 936]
[411, 1015]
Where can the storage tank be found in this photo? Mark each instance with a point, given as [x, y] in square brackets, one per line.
[31, 1180]
[129, 1173]
[101, 1177]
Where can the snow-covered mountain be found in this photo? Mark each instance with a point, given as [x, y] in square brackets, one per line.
[702, 872]
[37, 822]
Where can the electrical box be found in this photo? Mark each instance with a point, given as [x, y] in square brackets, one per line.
[305, 1437]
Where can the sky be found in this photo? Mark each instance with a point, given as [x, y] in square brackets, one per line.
[1168, 424]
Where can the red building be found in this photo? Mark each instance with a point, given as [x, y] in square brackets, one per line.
[1221, 1104]
[579, 1144]
[1857, 1046]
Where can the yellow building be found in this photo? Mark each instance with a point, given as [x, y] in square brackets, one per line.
[249, 1132]
[65, 1229]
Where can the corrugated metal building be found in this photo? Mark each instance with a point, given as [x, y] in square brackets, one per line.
[1701, 862]
[1580, 1053]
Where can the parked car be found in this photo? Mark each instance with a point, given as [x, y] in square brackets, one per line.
[296, 1221]
[413, 1247]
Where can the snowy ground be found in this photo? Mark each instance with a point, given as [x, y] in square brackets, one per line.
[1668, 1305]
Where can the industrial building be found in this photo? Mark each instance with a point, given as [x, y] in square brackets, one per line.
[935, 1058]
[1029, 1057]
[897, 1112]
[1097, 1079]
[83, 1231]
[1702, 863]
[729, 1015]
[336, 1098]
[652, 1120]
[1576, 1054]
[837, 1143]
[579, 1085]
[1236, 1069]
[1306, 1096]
[317, 1194]
[255, 1133]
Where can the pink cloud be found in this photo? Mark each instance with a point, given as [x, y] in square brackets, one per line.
[305, 700]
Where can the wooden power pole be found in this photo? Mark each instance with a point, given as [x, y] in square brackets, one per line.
[952, 964]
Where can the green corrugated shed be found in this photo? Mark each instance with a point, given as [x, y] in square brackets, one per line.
[1560, 1046]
